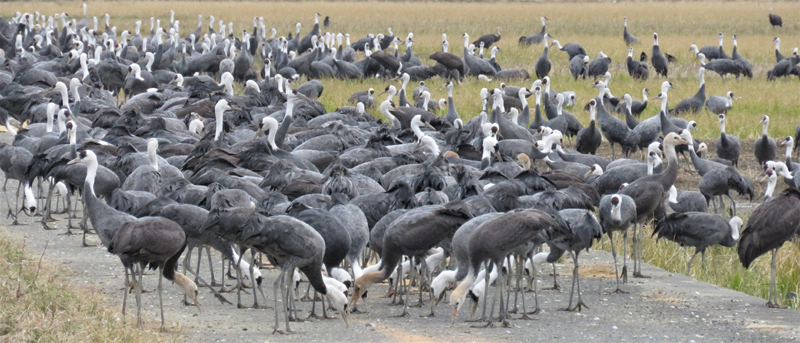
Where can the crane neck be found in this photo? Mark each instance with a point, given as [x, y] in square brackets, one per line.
[722, 127]
[415, 127]
[592, 113]
[273, 132]
[75, 94]
[616, 211]
[10, 128]
[152, 157]
[673, 195]
[523, 100]
[91, 173]
[218, 114]
[773, 181]
[664, 105]
[789, 147]
[51, 109]
[764, 129]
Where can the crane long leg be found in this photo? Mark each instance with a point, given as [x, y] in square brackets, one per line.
[186, 262]
[8, 201]
[252, 279]
[486, 293]
[406, 287]
[536, 310]
[239, 283]
[614, 254]
[138, 286]
[624, 273]
[574, 279]
[282, 285]
[125, 291]
[772, 302]
[48, 217]
[580, 303]
[634, 237]
[16, 206]
[503, 310]
[211, 267]
[160, 300]
[689, 265]
[520, 269]
[703, 255]
[555, 277]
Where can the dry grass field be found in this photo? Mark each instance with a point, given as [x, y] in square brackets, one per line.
[37, 304]
[597, 26]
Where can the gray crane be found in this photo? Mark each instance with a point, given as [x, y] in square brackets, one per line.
[728, 146]
[658, 60]
[489, 244]
[686, 201]
[543, 65]
[765, 148]
[774, 19]
[695, 103]
[617, 213]
[629, 38]
[572, 49]
[699, 230]
[599, 66]
[719, 104]
[772, 223]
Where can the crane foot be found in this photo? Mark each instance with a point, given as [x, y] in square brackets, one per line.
[488, 325]
[276, 329]
[577, 307]
[536, 311]
[525, 317]
[357, 311]
[44, 226]
[640, 275]
[404, 314]
[618, 291]
[260, 307]
[775, 305]
[555, 287]
[417, 305]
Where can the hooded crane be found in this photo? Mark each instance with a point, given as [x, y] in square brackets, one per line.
[728, 146]
[535, 38]
[774, 19]
[492, 242]
[542, 66]
[158, 242]
[658, 60]
[765, 148]
[291, 244]
[583, 230]
[694, 104]
[772, 223]
[617, 213]
[699, 230]
[413, 234]
[629, 38]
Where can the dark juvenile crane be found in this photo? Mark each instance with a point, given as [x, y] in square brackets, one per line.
[772, 223]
